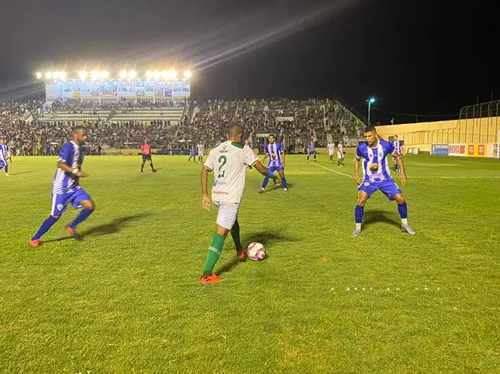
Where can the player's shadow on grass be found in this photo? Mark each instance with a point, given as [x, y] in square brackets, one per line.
[115, 226]
[379, 216]
[264, 237]
[22, 172]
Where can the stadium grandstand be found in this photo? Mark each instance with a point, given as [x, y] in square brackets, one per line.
[123, 108]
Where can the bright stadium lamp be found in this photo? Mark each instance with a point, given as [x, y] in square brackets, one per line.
[82, 75]
[123, 74]
[149, 74]
[94, 75]
[104, 74]
[48, 75]
[370, 101]
[164, 74]
[39, 75]
[132, 74]
[187, 74]
[156, 74]
[62, 75]
[171, 74]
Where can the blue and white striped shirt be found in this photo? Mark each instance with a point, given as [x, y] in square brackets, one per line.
[275, 152]
[375, 164]
[72, 155]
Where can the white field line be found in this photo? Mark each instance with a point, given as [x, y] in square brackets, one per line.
[411, 177]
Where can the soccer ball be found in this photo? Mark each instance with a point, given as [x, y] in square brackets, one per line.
[256, 251]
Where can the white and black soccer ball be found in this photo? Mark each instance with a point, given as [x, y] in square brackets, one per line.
[256, 251]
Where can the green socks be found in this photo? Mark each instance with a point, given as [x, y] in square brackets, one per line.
[235, 233]
[214, 252]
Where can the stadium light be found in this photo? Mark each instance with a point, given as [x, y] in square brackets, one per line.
[123, 74]
[156, 74]
[62, 75]
[164, 74]
[82, 75]
[39, 75]
[94, 75]
[149, 74]
[132, 74]
[171, 74]
[371, 100]
[187, 74]
[48, 75]
[104, 74]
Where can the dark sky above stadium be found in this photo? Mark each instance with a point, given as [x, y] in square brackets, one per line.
[422, 57]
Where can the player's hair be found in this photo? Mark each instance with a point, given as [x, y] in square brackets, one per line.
[234, 131]
[272, 135]
[78, 128]
[370, 128]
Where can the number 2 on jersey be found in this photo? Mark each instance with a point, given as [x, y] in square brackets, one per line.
[222, 162]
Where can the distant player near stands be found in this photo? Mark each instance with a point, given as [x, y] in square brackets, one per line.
[399, 150]
[276, 153]
[377, 177]
[201, 150]
[331, 150]
[229, 162]
[340, 155]
[3, 157]
[192, 152]
[66, 187]
[146, 156]
[311, 150]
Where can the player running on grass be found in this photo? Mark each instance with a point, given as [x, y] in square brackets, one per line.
[377, 177]
[66, 187]
[229, 163]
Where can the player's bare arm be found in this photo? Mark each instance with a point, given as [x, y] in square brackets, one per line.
[399, 161]
[204, 189]
[357, 163]
[263, 170]
[283, 159]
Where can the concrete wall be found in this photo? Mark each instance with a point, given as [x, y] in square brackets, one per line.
[475, 130]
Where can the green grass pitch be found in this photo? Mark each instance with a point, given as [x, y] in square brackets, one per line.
[127, 298]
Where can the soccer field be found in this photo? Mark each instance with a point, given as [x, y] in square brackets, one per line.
[127, 298]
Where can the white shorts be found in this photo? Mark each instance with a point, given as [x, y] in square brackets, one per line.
[330, 154]
[340, 155]
[228, 212]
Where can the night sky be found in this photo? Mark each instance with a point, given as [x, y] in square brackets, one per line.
[417, 57]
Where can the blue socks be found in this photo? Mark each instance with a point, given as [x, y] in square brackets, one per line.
[264, 182]
[6, 168]
[84, 214]
[46, 225]
[403, 210]
[358, 213]
[283, 182]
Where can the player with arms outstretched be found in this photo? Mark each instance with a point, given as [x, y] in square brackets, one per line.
[66, 187]
[377, 177]
[276, 153]
[229, 163]
[146, 156]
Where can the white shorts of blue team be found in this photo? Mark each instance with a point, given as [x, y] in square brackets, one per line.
[227, 215]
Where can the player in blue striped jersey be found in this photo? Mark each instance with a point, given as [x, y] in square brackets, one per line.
[311, 150]
[377, 176]
[4, 155]
[276, 154]
[66, 187]
[399, 150]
